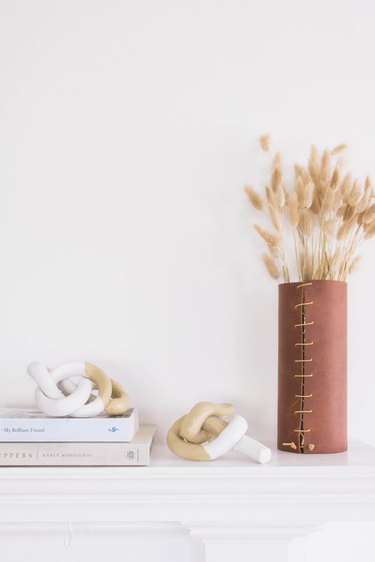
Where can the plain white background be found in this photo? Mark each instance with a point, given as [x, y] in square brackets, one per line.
[127, 131]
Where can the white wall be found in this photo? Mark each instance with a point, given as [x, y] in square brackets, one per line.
[127, 130]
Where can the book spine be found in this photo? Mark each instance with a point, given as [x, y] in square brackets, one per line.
[74, 454]
[69, 429]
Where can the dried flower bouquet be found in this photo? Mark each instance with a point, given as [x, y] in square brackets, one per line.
[327, 211]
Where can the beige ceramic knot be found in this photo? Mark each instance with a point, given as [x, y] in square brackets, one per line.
[202, 435]
[191, 436]
[67, 390]
[114, 398]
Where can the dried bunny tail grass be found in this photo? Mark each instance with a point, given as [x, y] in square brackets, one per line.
[360, 218]
[298, 170]
[338, 199]
[329, 227]
[276, 162]
[275, 217]
[271, 266]
[271, 199]
[254, 198]
[341, 211]
[313, 164]
[275, 179]
[355, 194]
[339, 148]
[300, 190]
[315, 206]
[272, 239]
[355, 261]
[335, 177]
[369, 215]
[308, 195]
[369, 230]
[306, 222]
[305, 176]
[346, 186]
[334, 260]
[264, 141]
[349, 212]
[280, 195]
[293, 209]
[345, 227]
[327, 203]
[307, 267]
[325, 166]
[364, 202]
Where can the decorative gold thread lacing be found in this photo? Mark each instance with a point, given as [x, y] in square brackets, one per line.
[303, 304]
[303, 344]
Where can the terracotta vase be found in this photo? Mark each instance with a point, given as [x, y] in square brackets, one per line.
[312, 383]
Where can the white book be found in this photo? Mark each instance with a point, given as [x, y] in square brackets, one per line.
[28, 425]
[134, 453]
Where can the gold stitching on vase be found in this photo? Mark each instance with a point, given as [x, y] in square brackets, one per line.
[292, 445]
[311, 446]
[303, 345]
[303, 304]
[303, 376]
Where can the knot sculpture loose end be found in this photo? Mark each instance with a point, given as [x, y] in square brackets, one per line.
[67, 391]
[202, 435]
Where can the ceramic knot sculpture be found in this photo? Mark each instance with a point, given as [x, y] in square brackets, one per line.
[202, 434]
[67, 390]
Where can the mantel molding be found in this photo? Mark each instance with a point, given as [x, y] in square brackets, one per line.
[222, 505]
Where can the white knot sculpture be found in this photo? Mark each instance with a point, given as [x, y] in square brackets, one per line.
[67, 391]
[202, 435]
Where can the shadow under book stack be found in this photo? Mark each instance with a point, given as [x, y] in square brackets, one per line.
[30, 438]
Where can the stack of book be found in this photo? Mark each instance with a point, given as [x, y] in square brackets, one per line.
[29, 438]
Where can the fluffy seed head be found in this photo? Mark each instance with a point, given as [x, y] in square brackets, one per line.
[370, 230]
[293, 209]
[264, 141]
[355, 261]
[275, 217]
[369, 215]
[308, 195]
[355, 194]
[339, 148]
[275, 179]
[313, 164]
[280, 195]
[300, 190]
[324, 166]
[254, 198]
[271, 266]
[271, 239]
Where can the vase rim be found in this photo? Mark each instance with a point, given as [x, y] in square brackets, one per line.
[315, 281]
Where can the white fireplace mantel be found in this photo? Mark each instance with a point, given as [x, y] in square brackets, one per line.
[229, 507]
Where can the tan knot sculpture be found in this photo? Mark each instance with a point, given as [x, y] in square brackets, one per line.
[202, 434]
[67, 390]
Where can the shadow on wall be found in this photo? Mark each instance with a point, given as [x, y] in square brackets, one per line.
[257, 356]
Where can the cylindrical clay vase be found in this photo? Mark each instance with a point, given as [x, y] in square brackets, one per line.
[312, 385]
